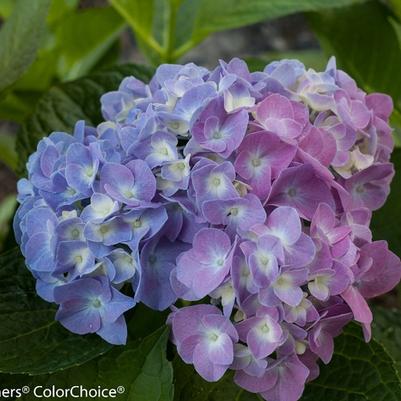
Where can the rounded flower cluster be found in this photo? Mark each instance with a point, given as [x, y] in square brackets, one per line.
[248, 193]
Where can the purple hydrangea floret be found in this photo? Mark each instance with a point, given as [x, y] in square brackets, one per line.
[247, 193]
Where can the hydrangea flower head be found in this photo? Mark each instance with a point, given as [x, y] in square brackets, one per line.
[247, 193]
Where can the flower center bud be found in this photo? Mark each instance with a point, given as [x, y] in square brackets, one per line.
[239, 315]
[104, 211]
[256, 162]
[89, 171]
[70, 191]
[128, 193]
[137, 223]
[96, 303]
[127, 259]
[241, 188]
[321, 280]
[104, 229]
[300, 347]
[75, 233]
[292, 192]
[360, 189]
[216, 181]
[234, 211]
[181, 166]
[282, 281]
[213, 336]
[174, 125]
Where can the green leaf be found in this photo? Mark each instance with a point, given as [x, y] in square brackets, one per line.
[64, 55]
[143, 321]
[311, 58]
[396, 7]
[6, 7]
[99, 26]
[7, 151]
[386, 329]
[153, 22]
[357, 372]
[148, 374]
[395, 122]
[7, 208]
[167, 29]
[40, 74]
[20, 38]
[141, 367]
[140, 16]
[109, 58]
[189, 386]
[17, 106]
[198, 19]
[43, 71]
[31, 341]
[365, 41]
[59, 9]
[63, 105]
[386, 222]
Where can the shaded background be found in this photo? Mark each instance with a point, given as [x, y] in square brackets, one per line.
[285, 34]
[81, 37]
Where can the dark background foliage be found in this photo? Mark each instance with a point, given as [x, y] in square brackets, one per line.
[58, 56]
